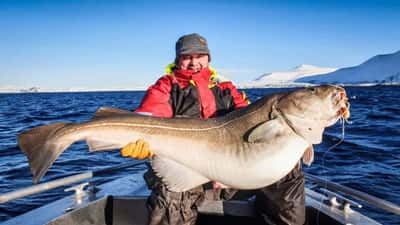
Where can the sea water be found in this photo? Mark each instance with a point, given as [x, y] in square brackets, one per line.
[368, 160]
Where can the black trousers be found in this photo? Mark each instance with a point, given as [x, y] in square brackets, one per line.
[284, 201]
[280, 203]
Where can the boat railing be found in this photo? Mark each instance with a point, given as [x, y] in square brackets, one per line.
[34, 189]
[375, 201]
[38, 188]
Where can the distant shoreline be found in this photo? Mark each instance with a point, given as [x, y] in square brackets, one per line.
[66, 92]
[292, 85]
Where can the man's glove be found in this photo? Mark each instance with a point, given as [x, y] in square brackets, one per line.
[138, 150]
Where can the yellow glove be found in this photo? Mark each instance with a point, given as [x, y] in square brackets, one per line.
[138, 150]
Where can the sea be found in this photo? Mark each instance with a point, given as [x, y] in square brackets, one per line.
[367, 160]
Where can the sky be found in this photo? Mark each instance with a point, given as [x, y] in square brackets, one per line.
[127, 44]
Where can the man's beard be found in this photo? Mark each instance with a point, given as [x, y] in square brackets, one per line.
[195, 69]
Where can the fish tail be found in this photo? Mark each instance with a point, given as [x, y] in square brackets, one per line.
[40, 149]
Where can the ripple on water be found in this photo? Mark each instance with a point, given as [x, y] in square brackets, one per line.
[367, 160]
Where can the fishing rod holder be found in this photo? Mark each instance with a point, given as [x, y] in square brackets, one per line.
[359, 195]
[38, 188]
[81, 195]
[339, 201]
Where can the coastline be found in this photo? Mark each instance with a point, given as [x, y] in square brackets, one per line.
[280, 85]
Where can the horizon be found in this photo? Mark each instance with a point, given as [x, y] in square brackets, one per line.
[126, 45]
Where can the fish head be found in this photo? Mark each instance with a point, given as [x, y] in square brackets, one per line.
[312, 109]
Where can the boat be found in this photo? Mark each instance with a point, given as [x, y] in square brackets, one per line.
[123, 201]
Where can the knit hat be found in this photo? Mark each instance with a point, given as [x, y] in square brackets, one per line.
[191, 44]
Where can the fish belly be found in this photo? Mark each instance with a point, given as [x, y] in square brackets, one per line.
[242, 166]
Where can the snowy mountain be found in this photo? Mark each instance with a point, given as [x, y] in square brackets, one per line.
[286, 78]
[378, 69]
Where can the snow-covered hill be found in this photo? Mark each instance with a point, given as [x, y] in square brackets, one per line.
[285, 78]
[378, 69]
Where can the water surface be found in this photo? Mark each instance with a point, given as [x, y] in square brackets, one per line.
[367, 160]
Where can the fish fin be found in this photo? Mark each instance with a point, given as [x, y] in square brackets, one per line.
[310, 130]
[41, 153]
[176, 176]
[265, 131]
[312, 133]
[308, 156]
[109, 111]
[101, 144]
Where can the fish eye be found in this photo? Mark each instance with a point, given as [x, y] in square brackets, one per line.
[312, 90]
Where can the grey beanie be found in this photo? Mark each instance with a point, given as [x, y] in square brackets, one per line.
[191, 44]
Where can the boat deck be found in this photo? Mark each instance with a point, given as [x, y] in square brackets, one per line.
[123, 201]
[132, 211]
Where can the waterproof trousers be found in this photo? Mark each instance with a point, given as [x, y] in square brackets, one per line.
[283, 203]
[171, 208]
[280, 203]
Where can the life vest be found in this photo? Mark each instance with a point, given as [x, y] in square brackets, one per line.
[182, 93]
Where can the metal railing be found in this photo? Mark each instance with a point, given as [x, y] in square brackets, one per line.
[34, 189]
[380, 203]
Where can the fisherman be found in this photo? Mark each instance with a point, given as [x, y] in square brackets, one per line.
[191, 88]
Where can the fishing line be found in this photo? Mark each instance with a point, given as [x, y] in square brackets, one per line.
[343, 121]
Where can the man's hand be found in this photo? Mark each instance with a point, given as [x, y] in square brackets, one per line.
[138, 150]
[217, 185]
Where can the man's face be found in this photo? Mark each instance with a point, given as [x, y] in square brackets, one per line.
[194, 62]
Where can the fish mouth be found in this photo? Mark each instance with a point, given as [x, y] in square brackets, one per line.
[341, 100]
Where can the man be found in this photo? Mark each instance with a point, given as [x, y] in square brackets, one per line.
[191, 88]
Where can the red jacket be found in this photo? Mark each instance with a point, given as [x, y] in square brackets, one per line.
[185, 93]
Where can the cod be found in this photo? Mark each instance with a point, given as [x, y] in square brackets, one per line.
[248, 148]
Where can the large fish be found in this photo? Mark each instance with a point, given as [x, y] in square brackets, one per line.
[246, 149]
